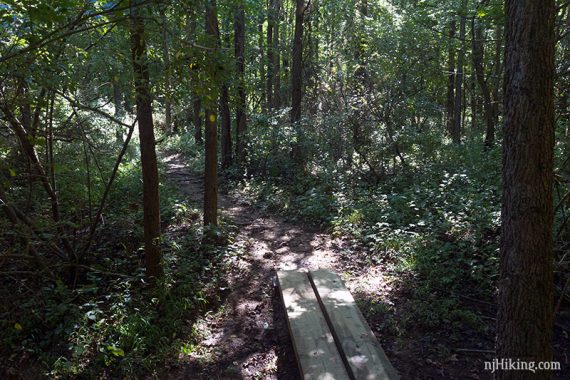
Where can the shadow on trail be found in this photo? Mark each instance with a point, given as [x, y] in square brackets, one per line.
[246, 337]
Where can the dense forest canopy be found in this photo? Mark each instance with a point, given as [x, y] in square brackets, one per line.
[428, 140]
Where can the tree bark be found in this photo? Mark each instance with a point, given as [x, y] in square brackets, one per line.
[525, 310]
[151, 197]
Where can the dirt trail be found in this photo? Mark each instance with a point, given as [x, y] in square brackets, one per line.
[249, 339]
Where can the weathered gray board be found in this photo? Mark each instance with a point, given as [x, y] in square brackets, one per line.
[316, 351]
[357, 342]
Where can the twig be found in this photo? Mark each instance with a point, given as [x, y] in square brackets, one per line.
[107, 190]
[75, 103]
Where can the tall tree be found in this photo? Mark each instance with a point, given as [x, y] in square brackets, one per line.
[167, 73]
[194, 112]
[260, 51]
[525, 313]
[270, 51]
[497, 71]
[297, 79]
[297, 63]
[450, 105]
[151, 197]
[226, 120]
[239, 45]
[211, 149]
[276, 56]
[225, 127]
[478, 56]
[458, 103]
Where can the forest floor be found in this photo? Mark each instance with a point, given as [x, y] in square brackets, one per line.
[246, 335]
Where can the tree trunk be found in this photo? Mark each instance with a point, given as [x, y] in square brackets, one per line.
[497, 72]
[167, 77]
[457, 119]
[197, 119]
[276, 56]
[297, 64]
[478, 59]
[226, 128]
[239, 44]
[450, 105]
[211, 156]
[297, 81]
[117, 98]
[270, 55]
[226, 120]
[261, 64]
[525, 310]
[151, 197]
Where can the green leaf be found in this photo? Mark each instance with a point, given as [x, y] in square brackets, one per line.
[116, 351]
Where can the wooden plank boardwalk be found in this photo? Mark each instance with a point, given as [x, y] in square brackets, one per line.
[331, 337]
[316, 351]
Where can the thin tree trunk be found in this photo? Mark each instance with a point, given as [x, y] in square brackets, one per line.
[457, 119]
[119, 110]
[167, 76]
[478, 59]
[151, 197]
[297, 63]
[226, 128]
[49, 143]
[239, 44]
[107, 190]
[450, 105]
[117, 98]
[31, 153]
[261, 56]
[497, 72]
[211, 156]
[276, 57]
[525, 307]
[197, 119]
[297, 80]
[270, 55]
[226, 122]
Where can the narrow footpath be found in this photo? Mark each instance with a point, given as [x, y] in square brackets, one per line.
[249, 339]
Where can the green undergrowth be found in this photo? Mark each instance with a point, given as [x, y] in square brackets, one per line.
[433, 226]
[112, 323]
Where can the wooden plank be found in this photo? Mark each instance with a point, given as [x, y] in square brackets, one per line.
[316, 351]
[363, 354]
